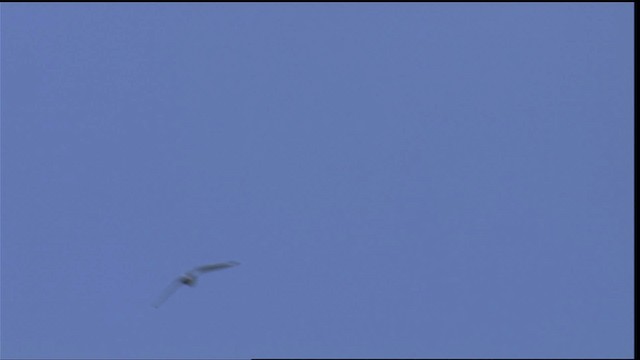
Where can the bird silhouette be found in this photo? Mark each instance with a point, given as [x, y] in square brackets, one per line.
[190, 278]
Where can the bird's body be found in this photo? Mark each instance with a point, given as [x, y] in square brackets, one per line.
[190, 278]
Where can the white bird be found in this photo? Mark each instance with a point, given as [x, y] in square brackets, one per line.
[190, 277]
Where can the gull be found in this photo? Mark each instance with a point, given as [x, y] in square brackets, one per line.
[190, 278]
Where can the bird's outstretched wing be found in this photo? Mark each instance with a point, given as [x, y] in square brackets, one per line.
[167, 292]
[214, 267]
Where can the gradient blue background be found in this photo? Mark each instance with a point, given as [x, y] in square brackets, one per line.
[397, 180]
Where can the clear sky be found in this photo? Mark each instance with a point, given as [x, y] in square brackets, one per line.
[396, 180]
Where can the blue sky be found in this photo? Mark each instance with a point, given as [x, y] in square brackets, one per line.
[397, 180]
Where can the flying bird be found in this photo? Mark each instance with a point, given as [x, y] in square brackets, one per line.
[190, 278]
